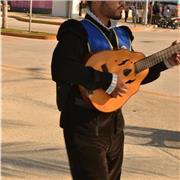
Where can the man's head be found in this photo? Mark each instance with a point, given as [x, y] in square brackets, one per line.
[106, 9]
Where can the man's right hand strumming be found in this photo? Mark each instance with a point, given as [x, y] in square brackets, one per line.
[120, 89]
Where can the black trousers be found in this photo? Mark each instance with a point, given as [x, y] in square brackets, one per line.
[94, 157]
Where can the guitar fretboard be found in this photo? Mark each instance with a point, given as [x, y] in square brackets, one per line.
[156, 58]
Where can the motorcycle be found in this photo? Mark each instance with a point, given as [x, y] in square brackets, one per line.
[173, 23]
[162, 23]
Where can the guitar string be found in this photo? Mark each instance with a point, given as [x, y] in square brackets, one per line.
[156, 58]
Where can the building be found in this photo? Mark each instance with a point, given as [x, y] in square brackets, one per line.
[56, 8]
[70, 9]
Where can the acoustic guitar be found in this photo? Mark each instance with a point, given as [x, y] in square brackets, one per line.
[133, 68]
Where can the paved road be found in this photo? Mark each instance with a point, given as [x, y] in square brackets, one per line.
[32, 143]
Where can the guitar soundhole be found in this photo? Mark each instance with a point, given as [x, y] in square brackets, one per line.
[130, 81]
[126, 72]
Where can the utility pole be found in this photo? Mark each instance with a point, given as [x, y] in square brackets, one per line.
[146, 13]
[4, 14]
[69, 9]
[30, 15]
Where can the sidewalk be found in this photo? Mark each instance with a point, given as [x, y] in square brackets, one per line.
[38, 18]
[54, 20]
[51, 20]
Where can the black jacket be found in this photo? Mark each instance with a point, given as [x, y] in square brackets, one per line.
[68, 60]
[70, 52]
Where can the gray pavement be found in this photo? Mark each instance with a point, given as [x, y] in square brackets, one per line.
[32, 142]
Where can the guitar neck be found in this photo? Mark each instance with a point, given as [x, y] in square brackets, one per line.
[156, 58]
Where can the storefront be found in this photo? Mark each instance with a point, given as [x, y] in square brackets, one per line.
[56, 8]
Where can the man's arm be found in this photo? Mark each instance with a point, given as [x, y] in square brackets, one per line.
[68, 56]
[154, 72]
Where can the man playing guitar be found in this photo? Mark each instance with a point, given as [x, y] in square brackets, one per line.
[94, 139]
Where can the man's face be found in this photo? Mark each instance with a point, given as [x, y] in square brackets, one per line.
[112, 9]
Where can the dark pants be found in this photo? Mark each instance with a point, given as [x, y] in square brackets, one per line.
[126, 16]
[94, 157]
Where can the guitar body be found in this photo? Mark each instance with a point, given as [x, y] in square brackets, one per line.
[120, 62]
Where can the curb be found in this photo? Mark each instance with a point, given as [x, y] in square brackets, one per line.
[48, 37]
[35, 20]
[140, 29]
[45, 37]
[53, 37]
[134, 29]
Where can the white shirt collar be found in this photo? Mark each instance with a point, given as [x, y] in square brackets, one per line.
[112, 22]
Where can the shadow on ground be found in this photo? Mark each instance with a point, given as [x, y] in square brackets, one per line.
[20, 159]
[152, 137]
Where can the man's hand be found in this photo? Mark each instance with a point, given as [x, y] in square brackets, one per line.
[175, 59]
[120, 88]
